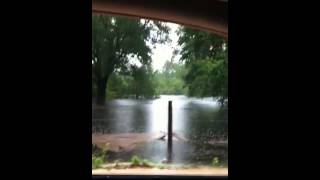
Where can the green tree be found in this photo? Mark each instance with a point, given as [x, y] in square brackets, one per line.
[219, 78]
[170, 79]
[205, 56]
[199, 45]
[143, 85]
[119, 86]
[117, 39]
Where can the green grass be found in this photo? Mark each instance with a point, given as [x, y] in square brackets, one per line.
[136, 161]
[97, 162]
[99, 156]
[147, 163]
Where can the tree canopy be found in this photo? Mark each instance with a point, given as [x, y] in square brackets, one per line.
[170, 79]
[119, 43]
[205, 56]
[117, 39]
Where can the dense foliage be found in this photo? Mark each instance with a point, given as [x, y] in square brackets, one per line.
[205, 56]
[143, 82]
[170, 79]
[115, 40]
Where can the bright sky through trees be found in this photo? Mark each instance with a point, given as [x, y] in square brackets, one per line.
[163, 52]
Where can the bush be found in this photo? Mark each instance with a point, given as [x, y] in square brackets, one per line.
[215, 161]
[136, 161]
[97, 162]
[99, 156]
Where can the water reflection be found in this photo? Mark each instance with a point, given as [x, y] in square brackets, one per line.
[199, 120]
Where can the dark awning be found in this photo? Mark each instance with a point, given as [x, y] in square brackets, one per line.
[210, 15]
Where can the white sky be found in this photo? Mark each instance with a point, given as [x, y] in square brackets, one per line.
[163, 52]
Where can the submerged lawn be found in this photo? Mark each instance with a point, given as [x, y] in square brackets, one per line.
[106, 146]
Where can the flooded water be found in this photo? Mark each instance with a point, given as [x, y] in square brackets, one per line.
[200, 121]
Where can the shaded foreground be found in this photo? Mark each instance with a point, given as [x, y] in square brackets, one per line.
[116, 151]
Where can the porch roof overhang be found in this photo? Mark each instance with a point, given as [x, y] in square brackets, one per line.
[208, 15]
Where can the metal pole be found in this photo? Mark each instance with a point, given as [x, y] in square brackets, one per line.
[170, 132]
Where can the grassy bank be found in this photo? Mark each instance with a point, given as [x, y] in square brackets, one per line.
[100, 160]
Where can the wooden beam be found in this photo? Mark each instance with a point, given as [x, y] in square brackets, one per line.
[208, 15]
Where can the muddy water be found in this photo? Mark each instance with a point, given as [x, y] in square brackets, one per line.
[199, 121]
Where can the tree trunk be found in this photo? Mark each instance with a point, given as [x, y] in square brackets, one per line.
[221, 101]
[101, 91]
[136, 92]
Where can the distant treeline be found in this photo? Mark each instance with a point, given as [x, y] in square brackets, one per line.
[145, 83]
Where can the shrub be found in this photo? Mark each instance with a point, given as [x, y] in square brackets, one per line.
[97, 162]
[215, 161]
[136, 161]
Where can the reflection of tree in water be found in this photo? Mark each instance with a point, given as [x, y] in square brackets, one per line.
[201, 124]
[101, 122]
[206, 131]
[204, 154]
[205, 134]
[140, 118]
[134, 118]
